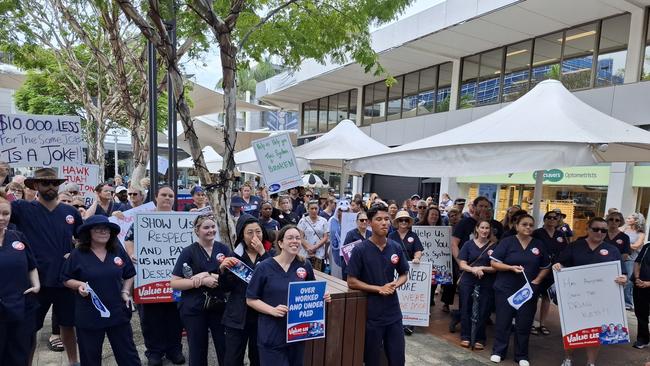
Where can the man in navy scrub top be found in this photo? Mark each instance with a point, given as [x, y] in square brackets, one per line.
[49, 227]
[372, 268]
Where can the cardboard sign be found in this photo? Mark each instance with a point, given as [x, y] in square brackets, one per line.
[159, 239]
[415, 295]
[129, 218]
[348, 223]
[592, 305]
[277, 162]
[346, 250]
[86, 176]
[31, 140]
[436, 241]
[306, 316]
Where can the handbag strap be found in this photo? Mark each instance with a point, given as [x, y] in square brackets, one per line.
[488, 246]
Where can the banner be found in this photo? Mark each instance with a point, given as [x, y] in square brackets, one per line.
[346, 250]
[86, 176]
[436, 241]
[592, 306]
[159, 239]
[306, 316]
[415, 295]
[129, 219]
[348, 223]
[46, 141]
[277, 162]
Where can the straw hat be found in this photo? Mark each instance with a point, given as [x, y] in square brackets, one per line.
[43, 174]
[402, 214]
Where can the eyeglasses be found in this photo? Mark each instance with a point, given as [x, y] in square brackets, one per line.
[309, 195]
[551, 218]
[101, 229]
[404, 220]
[600, 230]
[363, 220]
[133, 193]
[614, 220]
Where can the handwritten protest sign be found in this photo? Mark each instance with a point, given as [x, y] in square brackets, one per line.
[277, 162]
[415, 295]
[592, 306]
[436, 241]
[159, 239]
[47, 141]
[346, 250]
[129, 218]
[306, 316]
[86, 176]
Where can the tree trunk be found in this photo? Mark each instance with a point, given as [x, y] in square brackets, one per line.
[140, 143]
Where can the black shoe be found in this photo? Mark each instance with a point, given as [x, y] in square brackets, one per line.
[452, 325]
[408, 330]
[154, 361]
[177, 359]
[640, 345]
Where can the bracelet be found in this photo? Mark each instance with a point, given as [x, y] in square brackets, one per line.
[126, 292]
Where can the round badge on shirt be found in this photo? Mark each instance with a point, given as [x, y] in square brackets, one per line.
[410, 240]
[281, 216]
[18, 245]
[69, 219]
[301, 273]
[490, 252]
[535, 251]
[220, 257]
[619, 241]
[560, 240]
[563, 228]
[118, 261]
[604, 252]
[394, 258]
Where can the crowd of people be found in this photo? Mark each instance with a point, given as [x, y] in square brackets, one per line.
[58, 252]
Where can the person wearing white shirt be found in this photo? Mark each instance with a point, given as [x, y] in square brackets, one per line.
[316, 235]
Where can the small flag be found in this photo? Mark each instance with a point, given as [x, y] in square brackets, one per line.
[522, 295]
[99, 305]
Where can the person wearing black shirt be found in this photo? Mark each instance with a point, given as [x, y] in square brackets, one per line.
[284, 215]
[641, 296]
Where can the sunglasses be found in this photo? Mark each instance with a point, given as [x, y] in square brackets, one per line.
[404, 220]
[363, 220]
[596, 230]
[309, 195]
[48, 182]
[422, 207]
[133, 194]
[614, 220]
[551, 218]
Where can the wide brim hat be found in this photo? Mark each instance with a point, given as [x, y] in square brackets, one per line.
[43, 174]
[98, 220]
[402, 214]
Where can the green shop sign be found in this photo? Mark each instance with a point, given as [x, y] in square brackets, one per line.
[553, 175]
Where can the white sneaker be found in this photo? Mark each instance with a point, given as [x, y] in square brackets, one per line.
[524, 363]
[495, 358]
[566, 362]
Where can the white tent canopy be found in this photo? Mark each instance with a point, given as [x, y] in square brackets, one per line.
[213, 160]
[547, 128]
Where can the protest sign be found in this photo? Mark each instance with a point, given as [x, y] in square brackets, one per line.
[86, 176]
[243, 271]
[277, 162]
[306, 316]
[129, 218]
[346, 250]
[159, 239]
[415, 295]
[436, 241]
[592, 306]
[31, 140]
[348, 223]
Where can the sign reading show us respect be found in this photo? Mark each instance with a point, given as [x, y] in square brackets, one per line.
[33, 140]
[277, 162]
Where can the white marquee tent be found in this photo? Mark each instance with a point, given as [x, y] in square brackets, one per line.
[213, 161]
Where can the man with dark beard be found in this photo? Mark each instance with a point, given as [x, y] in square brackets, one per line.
[49, 227]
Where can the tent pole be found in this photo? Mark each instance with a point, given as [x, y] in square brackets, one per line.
[537, 197]
[343, 182]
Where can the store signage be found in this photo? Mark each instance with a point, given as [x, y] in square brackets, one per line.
[552, 175]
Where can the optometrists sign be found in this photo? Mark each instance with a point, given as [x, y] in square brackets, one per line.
[277, 162]
[47, 141]
[592, 306]
[436, 241]
[415, 295]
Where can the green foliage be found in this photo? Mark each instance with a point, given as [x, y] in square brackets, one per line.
[42, 94]
[247, 78]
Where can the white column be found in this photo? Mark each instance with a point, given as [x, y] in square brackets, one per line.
[449, 185]
[636, 46]
[359, 119]
[620, 193]
[455, 85]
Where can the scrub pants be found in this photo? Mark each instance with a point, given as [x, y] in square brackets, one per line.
[627, 290]
[161, 329]
[642, 311]
[16, 341]
[292, 354]
[485, 299]
[523, 322]
[236, 341]
[197, 327]
[121, 338]
[387, 338]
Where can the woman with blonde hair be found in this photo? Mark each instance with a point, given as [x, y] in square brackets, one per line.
[635, 229]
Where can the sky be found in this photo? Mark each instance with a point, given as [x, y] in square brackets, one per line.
[207, 70]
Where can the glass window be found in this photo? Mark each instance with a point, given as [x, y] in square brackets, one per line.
[444, 88]
[352, 111]
[612, 50]
[645, 74]
[578, 57]
[489, 86]
[332, 111]
[379, 101]
[322, 115]
[469, 82]
[368, 111]
[517, 71]
[310, 117]
[395, 99]
[428, 81]
[410, 100]
[546, 58]
[342, 110]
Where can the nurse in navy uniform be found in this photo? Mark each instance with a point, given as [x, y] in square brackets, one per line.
[100, 262]
[17, 294]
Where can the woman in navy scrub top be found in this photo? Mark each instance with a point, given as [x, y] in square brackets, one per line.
[100, 262]
[267, 293]
[474, 261]
[514, 256]
[207, 258]
[20, 284]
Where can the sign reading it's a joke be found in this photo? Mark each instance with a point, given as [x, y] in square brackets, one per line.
[436, 241]
[33, 140]
[306, 316]
[159, 238]
[277, 162]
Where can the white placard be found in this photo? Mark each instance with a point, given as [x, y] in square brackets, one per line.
[28, 140]
[277, 162]
[436, 241]
[348, 223]
[129, 218]
[592, 305]
[415, 295]
[86, 176]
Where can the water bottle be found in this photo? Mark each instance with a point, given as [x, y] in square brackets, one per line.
[187, 271]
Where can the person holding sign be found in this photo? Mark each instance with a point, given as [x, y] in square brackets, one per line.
[516, 259]
[474, 258]
[202, 302]
[372, 269]
[239, 320]
[250, 203]
[268, 293]
[100, 263]
[589, 250]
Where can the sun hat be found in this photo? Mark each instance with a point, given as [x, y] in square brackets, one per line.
[43, 174]
[402, 214]
[97, 220]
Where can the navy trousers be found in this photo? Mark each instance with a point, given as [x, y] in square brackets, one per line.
[16, 341]
[485, 300]
[161, 329]
[388, 339]
[236, 341]
[292, 354]
[197, 327]
[121, 338]
[523, 317]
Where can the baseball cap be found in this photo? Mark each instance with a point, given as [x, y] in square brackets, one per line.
[120, 189]
[416, 197]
